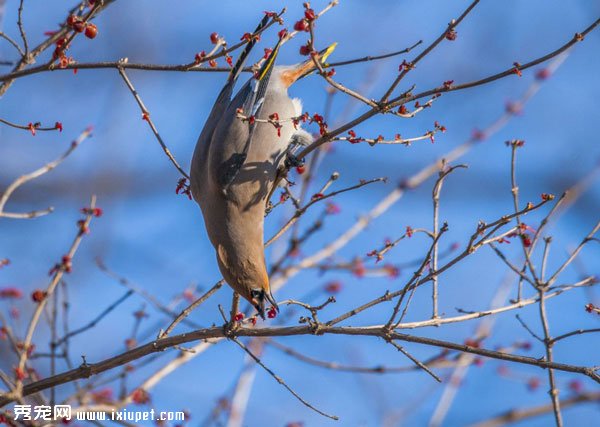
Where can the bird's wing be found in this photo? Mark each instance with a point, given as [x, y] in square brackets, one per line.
[252, 106]
[224, 97]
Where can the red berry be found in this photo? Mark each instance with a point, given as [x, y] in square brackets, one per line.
[576, 386]
[358, 269]
[542, 74]
[333, 287]
[310, 14]
[272, 313]
[304, 50]
[300, 169]
[91, 31]
[214, 38]
[199, 57]
[471, 343]
[140, 396]
[332, 208]
[79, 26]
[301, 25]
[38, 295]
[10, 293]
[71, 20]
[533, 383]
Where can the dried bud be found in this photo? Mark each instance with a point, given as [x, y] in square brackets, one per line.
[517, 69]
[451, 35]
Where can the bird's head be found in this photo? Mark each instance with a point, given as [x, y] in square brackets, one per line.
[292, 73]
[259, 297]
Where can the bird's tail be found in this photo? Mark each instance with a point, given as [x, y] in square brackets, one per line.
[254, 102]
[239, 65]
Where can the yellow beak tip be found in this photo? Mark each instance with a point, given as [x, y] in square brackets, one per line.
[328, 51]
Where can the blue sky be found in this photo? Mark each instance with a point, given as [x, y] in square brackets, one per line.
[157, 240]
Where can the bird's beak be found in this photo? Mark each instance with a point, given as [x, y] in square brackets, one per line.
[305, 68]
[270, 298]
[258, 301]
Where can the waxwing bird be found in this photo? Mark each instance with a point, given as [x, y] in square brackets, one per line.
[235, 164]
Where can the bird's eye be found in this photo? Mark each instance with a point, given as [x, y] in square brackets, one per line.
[254, 293]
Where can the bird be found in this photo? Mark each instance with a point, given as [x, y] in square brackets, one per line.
[236, 162]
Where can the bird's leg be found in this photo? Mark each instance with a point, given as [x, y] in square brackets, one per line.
[231, 326]
[235, 302]
[300, 138]
[291, 161]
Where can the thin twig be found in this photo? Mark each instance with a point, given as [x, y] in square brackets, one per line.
[35, 174]
[549, 357]
[186, 312]
[428, 50]
[281, 381]
[22, 32]
[146, 117]
[415, 360]
[13, 43]
[57, 276]
[95, 321]
[515, 415]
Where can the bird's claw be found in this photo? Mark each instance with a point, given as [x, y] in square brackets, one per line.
[230, 328]
[292, 161]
